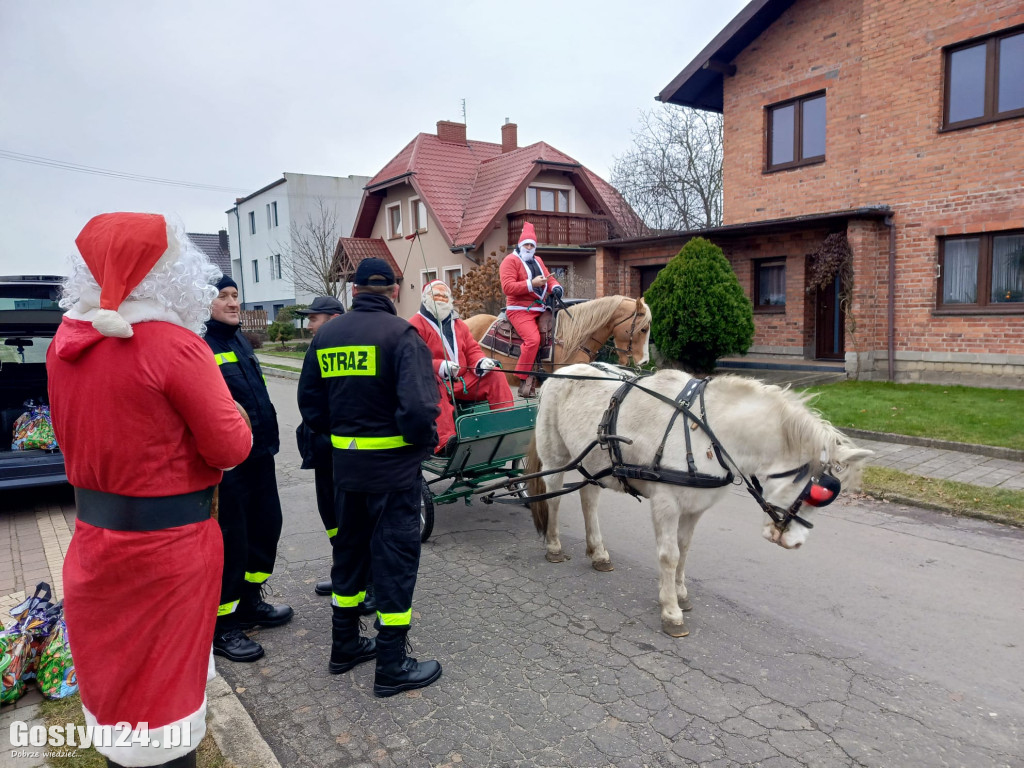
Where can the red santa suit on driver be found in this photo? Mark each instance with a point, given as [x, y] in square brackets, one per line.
[459, 362]
[146, 425]
[526, 283]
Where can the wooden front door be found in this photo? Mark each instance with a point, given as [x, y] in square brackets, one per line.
[829, 328]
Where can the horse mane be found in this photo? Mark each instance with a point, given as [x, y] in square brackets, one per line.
[801, 423]
[586, 317]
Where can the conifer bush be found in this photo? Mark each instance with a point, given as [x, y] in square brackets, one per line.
[699, 310]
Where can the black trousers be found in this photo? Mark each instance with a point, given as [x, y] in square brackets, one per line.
[378, 533]
[250, 522]
[323, 478]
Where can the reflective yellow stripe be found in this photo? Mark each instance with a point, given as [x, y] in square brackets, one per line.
[227, 608]
[256, 578]
[347, 601]
[226, 357]
[367, 443]
[332, 532]
[347, 361]
[395, 619]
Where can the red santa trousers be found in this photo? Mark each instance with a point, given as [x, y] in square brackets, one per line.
[525, 324]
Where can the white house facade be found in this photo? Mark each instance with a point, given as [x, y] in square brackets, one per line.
[260, 233]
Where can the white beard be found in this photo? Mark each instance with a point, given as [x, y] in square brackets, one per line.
[442, 309]
[528, 255]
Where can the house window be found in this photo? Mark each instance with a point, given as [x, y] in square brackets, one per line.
[273, 211]
[252, 222]
[277, 308]
[548, 199]
[985, 80]
[394, 218]
[770, 285]
[275, 267]
[427, 276]
[982, 271]
[796, 132]
[255, 270]
[270, 221]
[419, 215]
[452, 275]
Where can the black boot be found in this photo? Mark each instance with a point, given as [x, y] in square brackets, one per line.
[232, 643]
[369, 605]
[254, 611]
[348, 647]
[397, 672]
[323, 588]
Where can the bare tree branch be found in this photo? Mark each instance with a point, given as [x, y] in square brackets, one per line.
[310, 258]
[672, 176]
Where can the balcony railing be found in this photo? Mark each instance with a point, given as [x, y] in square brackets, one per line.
[559, 228]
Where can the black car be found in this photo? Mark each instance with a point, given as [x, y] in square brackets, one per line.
[29, 318]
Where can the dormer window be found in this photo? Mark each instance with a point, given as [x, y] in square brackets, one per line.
[553, 199]
[796, 132]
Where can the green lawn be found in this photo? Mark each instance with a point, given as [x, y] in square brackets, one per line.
[963, 414]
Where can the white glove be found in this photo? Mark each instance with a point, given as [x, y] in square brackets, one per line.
[485, 365]
[448, 370]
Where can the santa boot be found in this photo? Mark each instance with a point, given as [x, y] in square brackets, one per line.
[397, 672]
[529, 386]
[348, 647]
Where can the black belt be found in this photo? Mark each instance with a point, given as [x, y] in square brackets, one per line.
[142, 513]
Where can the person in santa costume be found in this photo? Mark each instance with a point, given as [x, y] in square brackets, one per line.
[147, 426]
[459, 362]
[526, 283]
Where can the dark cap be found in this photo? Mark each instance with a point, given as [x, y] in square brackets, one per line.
[323, 305]
[374, 272]
[226, 282]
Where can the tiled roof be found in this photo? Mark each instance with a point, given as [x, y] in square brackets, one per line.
[210, 245]
[467, 186]
[353, 250]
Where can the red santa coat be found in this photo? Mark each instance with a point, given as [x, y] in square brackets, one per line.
[517, 287]
[144, 416]
[467, 353]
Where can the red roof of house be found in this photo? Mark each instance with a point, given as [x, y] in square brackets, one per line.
[358, 248]
[467, 186]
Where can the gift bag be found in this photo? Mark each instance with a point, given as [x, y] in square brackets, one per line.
[22, 644]
[34, 430]
[56, 672]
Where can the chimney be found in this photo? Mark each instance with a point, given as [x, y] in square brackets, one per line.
[223, 238]
[451, 133]
[509, 137]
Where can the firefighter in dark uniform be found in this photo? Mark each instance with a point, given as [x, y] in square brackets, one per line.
[368, 381]
[316, 451]
[250, 509]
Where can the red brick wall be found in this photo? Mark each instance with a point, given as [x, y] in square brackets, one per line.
[881, 64]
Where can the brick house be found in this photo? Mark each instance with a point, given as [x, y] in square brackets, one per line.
[445, 204]
[899, 123]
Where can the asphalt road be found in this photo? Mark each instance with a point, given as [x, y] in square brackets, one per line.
[893, 638]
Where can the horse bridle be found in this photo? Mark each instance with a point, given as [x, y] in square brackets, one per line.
[817, 492]
[628, 351]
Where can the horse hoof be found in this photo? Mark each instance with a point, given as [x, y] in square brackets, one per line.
[556, 557]
[685, 604]
[674, 629]
[603, 565]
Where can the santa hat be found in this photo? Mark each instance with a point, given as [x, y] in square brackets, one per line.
[528, 235]
[120, 249]
[428, 289]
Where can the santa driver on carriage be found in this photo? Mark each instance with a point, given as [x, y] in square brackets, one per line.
[459, 363]
[526, 283]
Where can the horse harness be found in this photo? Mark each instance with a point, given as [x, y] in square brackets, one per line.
[817, 492]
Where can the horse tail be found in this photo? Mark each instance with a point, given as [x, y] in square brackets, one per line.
[535, 487]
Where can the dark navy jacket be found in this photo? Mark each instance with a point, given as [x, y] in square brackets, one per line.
[368, 381]
[244, 377]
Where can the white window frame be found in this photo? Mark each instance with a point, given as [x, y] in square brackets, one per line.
[447, 272]
[252, 222]
[425, 276]
[270, 221]
[275, 268]
[392, 235]
[418, 225]
[558, 188]
[255, 270]
[273, 208]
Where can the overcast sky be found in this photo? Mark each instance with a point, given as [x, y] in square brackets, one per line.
[233, 94]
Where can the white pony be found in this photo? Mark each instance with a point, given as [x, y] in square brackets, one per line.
[785, 452]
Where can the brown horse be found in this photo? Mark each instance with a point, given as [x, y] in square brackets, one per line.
[584, 329]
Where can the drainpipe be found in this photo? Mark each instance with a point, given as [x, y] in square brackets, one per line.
[241, 262]
[891, 310]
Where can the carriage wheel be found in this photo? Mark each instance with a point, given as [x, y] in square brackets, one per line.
[426, 510]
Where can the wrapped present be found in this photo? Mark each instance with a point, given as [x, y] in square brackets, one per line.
[34, 429]
[56, 671]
